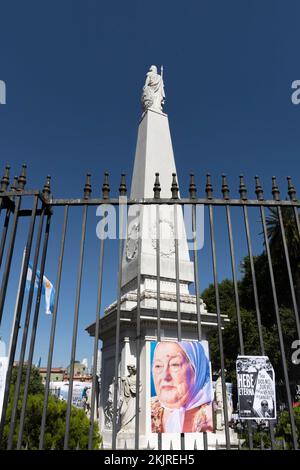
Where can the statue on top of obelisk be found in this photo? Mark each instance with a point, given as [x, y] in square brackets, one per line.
[153, 96]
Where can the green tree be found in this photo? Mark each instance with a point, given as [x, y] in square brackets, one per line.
[56, 418]
[283, 429]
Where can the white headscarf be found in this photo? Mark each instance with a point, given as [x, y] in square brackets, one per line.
[201, 390]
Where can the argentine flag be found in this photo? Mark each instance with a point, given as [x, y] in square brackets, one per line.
[47, 290]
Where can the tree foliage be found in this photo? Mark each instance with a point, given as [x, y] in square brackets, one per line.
[56, 418]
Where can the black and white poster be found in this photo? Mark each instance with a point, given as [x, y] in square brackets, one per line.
[256, 387]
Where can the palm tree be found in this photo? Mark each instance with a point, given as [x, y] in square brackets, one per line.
[292, 239]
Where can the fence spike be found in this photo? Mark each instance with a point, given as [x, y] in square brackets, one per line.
[148, 445]
[195, 445]
[225, 187]
[217, 445]
[239, 444]
[174, 187]
[22, 178]
[125, 445]
[156, 188]
[14, 185]
[242, 188]
[192, 188]
[171, 445]
[87, 187]
[5, 179]
[122, 188]
[105, 186]
[291, 189]
[78, 446]
[275, 189]
[258, 189]
[47, 190]
[208, 187]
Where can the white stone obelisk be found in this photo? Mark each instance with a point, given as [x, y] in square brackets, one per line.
[154, 154]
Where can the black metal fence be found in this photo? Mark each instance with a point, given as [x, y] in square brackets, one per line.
[33, 212]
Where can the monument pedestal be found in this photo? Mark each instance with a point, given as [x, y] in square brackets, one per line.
[128, 354]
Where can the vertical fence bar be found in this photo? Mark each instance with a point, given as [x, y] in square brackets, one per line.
[157, 190]
[213, 245]
[25, 334]
[105, 195]
[237, 304]
[243, 196]
[138, 329]
[193, 195]
[122, 192]
[33, 333]
[280, 334]
[18, 316]
[75, 327]
[225, 191]
[249, 243]
[175, 190]
[96, 343]
[53, 328]
[4, 234]
[9, 256]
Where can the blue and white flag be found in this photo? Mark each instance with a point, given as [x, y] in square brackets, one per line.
[47, 290]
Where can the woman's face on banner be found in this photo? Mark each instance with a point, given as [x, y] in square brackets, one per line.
[173, 374]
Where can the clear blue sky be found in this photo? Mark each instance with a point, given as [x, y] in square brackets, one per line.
[74, 72]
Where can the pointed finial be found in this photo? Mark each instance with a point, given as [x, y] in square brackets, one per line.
[275, 189]
[78, 446]
[46, 190]
[5, 179]
[22, 178]
[125, 445]
[148, 445]
[291, 189]
[174, 187]
[217, 444]
[225, 187]
[208, 187]
[122, 188]
[258, 189]
[192, 188]
[156, 188]
[242, 189]
[87, 187]
[14, 185]
[171, 445]
[195, 445]
[105, 186]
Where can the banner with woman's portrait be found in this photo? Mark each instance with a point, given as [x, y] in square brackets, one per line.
[181, 387]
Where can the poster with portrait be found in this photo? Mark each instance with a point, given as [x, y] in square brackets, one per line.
[256, 387]
[181, 387]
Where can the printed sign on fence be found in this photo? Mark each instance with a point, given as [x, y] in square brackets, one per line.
[256, 387]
